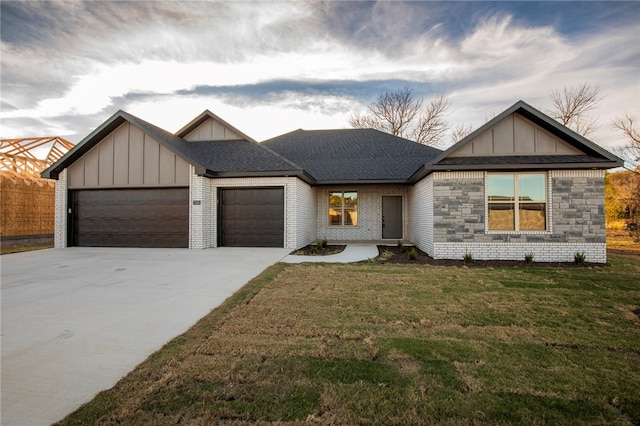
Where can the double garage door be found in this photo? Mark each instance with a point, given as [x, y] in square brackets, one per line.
[159, 217]
[150, 217]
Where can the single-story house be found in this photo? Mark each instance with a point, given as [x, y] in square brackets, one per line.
[522, 183]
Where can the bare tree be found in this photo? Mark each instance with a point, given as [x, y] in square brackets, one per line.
[431, 125]
[631, 153]
[630, 130]
[460, 131]
[364, 121]
[572, 105]
[401, 114]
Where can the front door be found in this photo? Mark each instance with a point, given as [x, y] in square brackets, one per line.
[392, 217]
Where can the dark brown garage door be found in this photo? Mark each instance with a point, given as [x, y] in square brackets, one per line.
[157, 217]
[251, 217]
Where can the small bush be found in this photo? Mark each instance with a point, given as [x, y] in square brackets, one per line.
[314, 249]
[528, 257]
[401, 246]
[413, 254]
[579, 257]
[468, 257]
[324, 243]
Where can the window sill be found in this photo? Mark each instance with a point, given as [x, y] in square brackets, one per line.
[518, 232]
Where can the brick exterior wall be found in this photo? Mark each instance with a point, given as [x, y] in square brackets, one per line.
[305, 218]
[421, 215]
[369, 213]
[575, 217]
[202, 225]
[444, 215]
[60, 233]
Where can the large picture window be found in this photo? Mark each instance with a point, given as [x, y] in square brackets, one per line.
[343, 208]
[517, 201]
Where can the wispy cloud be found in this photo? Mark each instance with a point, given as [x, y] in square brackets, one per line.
[271, 67]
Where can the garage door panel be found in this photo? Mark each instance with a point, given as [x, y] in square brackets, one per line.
[252, 217]
[155, 240]
[131, 217]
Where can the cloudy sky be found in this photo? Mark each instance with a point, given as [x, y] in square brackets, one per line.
[272, 67]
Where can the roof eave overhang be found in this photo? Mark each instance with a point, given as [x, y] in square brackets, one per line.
[554, 166]
[53, 172]
[354, 182]
[300, 174]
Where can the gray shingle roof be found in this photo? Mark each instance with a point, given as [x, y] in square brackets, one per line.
[345, 155]
[353, 155]
[229, 158]
[222, 157]
[239, 156]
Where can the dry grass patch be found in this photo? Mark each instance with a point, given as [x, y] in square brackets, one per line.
[621, 241]
[398, 344]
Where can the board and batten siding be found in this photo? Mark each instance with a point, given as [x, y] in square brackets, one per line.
[515, 135]
[127, 157]
[211, 130]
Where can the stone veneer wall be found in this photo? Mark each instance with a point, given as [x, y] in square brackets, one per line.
[369, 213]
[575, 216]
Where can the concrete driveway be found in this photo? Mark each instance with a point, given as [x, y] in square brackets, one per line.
[76, 320]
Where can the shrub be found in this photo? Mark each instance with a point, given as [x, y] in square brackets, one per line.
[468, 257]
[324, 243]
[401, 246]
[413, 254]
[528, 257]
[579, 257]
[314, 249]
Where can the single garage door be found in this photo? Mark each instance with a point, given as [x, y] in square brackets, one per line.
[251, 217]
[155, 217]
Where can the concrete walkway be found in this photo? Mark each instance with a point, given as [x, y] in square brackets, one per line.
[351, 253]
[76, 320]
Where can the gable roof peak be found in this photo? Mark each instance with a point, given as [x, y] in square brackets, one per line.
[168, 139]
[204, 116]
[547, 123]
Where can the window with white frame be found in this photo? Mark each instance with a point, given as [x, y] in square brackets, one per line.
[343, 208]
[517, 201]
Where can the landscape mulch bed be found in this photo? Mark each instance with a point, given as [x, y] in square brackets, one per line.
[396, 255]
[326, 251]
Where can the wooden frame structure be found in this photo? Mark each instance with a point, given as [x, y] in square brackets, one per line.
[30, 156]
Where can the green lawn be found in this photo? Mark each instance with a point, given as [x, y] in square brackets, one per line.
[400, 344]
